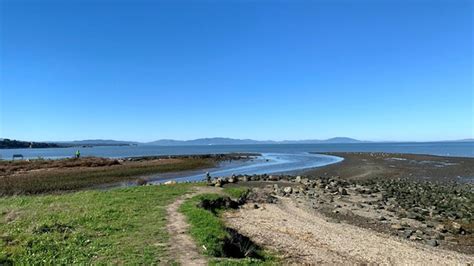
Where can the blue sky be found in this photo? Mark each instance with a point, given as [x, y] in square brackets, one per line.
[146, 70]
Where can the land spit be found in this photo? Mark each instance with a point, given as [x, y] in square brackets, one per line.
[64, 175]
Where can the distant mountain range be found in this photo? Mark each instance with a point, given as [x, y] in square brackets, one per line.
[229, 141]
[98, 142]
[195, 142]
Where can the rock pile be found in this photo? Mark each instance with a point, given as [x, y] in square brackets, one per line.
[416, 210]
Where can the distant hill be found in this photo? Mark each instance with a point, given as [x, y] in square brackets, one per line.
[342, 140]
[464, 140]
[98, 142]
[207, 141]
[230, 141]
[17, 144]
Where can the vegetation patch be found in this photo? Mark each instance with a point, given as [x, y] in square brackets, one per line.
[119, 226]
[237, 192]
[224, 244]
[46, 176]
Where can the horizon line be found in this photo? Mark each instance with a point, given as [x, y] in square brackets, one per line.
[250, 139]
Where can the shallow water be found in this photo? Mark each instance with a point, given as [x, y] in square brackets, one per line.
[268, 163]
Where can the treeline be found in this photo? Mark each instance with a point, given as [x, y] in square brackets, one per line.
[17, 144]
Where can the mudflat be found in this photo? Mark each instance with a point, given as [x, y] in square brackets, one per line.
[379, 165]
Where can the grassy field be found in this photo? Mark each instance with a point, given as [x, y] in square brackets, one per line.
[209, 230]
[119, 226]
[45, 176]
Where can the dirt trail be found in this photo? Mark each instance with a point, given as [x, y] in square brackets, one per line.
[305, 237]
[183, 248]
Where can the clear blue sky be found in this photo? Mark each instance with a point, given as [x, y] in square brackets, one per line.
[131, 70]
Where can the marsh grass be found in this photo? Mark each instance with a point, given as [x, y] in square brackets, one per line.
[76, 175]
[118, 226]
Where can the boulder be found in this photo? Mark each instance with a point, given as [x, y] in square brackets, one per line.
[288, 190]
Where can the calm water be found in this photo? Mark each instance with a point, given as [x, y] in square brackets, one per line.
[268, 163]
[463, 149]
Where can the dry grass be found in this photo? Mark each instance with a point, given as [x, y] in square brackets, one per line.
[12, 167]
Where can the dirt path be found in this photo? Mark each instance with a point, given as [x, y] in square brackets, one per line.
[183, 248]
[305, 237]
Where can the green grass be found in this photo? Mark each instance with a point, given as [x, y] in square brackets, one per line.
[120, 226]
[70, 179]
[209, 230]
[236, 192]
[206, 228]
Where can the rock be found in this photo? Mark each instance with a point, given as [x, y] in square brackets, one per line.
[441, 228]
[407, 233]
[397, 226]
[298, 179]
[438, 236]
[381, 218]
[456, 228]
[419, 232]
[343, 191]
[141, 182]
[415, 216]
[288, 190]
[273, 178]
[346, 212]
[432, 242]
[171, 182]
